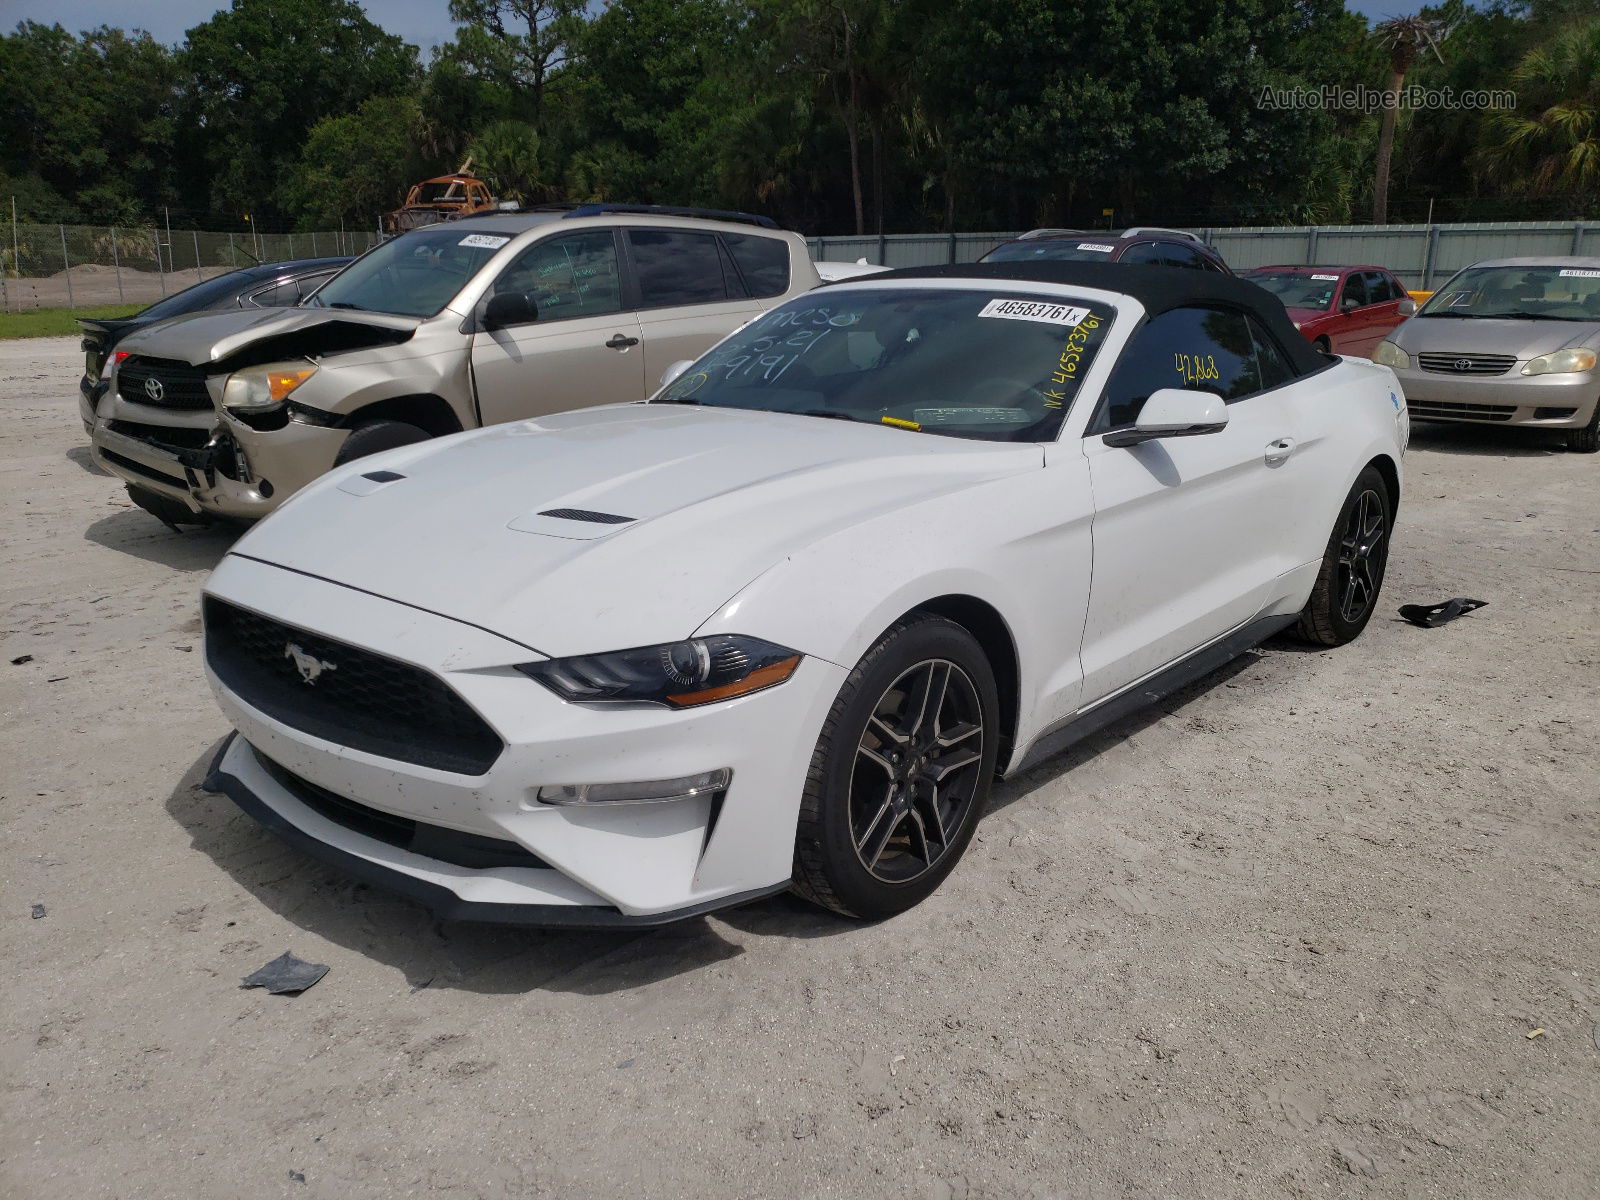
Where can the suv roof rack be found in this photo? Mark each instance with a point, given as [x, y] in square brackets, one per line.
[671, 210]
[1138, 229]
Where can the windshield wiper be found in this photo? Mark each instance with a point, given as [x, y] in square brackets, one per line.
[346, 304]
[830, 413]
[1460, 316]
[676, 400]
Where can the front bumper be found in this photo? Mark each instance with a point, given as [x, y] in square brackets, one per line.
[241, 473]
[1541, 401]
[604, 864]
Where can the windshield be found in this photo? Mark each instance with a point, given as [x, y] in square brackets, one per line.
[414, 275]
[1554, 293]
[1053, 250]
[1298, 290]
[213, 293]
[969, 364]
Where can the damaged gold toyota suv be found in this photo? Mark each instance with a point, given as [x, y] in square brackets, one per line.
[446, 328]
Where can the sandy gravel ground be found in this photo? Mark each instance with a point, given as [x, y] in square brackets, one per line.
[1287, 936]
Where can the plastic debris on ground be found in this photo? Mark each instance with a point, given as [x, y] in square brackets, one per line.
[286, 975]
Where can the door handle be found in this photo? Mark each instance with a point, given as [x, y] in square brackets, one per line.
[621, 341]
[1279, 451]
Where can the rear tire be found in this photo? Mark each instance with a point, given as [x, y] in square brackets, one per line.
[1587, 439]
[169, 512]
[376, 436]
[1346, 592]
[1322, 346]
[901, 772]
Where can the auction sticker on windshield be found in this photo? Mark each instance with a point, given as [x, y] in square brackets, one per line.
[483, 241]
[1034, 310]
[1329, 278]
[1575, 274]
[1096, 246]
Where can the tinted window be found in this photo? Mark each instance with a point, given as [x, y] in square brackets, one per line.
[677, 268]
[279, 295]
[574, 275]
[310, 283]
[1355, 291]
[1298, 289]
[1053, 250]
[213, 293]
[1270, 358]
[763, 261]
[1183, 256]
[1201, 349]
[966, 364]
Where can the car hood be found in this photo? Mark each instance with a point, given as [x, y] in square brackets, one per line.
[205, 337]
[1304, 316]
[1487, 335]
[661, 513]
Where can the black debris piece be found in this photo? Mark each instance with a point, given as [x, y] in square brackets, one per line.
[285, 975]
[20, 659]
[1431, 616]
[38, 911]
[297, 1176]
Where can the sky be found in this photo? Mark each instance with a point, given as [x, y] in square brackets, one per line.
[425, 23]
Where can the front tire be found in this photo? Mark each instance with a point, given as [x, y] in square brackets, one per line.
[1587, 439]
[373, 437]
[901, 772]
[1353, 566]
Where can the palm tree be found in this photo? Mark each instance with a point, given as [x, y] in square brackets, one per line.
[1403, 39]
[1552, 140]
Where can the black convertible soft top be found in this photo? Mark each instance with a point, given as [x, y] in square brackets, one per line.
[1157, 288]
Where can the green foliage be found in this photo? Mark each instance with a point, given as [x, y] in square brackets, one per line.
[356, 164]
[507, 155]
[1551, 141]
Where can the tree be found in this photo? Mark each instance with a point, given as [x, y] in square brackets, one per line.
[515, 45]
[1403, 39]
[1551, 141]
[507, 155]
[359, 164]
[260, 75]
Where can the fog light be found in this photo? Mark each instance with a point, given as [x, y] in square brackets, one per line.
[650, 791]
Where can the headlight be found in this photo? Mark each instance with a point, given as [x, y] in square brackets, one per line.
[1562, 362]
[677, 675]
[1388, 354]
[261, 389]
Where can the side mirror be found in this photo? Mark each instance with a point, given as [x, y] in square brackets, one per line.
[675, 369]
[1408, 307]
[1349, 302]
[509, 308]
[1170, 413]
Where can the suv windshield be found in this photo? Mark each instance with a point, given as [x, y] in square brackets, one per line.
[414, 275]
[1068, 249]
[969, 364]
[1296, 289]
[1553, 293]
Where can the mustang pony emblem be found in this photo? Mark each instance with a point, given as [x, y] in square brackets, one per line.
[309, 666]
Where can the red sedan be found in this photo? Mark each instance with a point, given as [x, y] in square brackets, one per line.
[1340, 310]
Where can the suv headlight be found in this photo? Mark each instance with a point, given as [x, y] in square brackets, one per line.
[676, 675]
[1387, 354]
[1561, 362]
[262, 389]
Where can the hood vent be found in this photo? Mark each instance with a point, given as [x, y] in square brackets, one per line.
[583, 514]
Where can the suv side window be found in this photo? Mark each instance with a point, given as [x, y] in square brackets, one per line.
[1355, 288]
[1380, 288]
[1202, 349]
[310, 283]
[278, 295]
[1163, 254]
[763, 261]
[574, 275]
[676, 268]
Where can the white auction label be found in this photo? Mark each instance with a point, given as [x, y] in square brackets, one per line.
[1581, 274]
[483, 241]
[1034, 310]
[1333, 278]
[1103, 249]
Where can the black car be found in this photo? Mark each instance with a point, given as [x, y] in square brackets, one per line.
[1147, 245]
[266, 285]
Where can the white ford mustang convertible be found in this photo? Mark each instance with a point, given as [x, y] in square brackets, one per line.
[782, 625]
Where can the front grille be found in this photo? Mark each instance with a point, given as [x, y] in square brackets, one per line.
[163, 437]
[1467, 364]
[139, 468]
[353, 697]
[431, 841]
[177, 384]
[1461, 412]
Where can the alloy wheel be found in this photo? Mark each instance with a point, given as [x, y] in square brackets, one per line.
[1363, 550]
[917, 771]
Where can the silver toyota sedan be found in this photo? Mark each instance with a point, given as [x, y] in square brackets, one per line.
[1510, 341]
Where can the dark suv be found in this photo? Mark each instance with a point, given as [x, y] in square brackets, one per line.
[1147, 245]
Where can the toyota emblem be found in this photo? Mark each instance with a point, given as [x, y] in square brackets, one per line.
[1462, 364]
[155, 389]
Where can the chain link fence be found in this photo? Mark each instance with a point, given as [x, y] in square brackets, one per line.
[87, 266]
